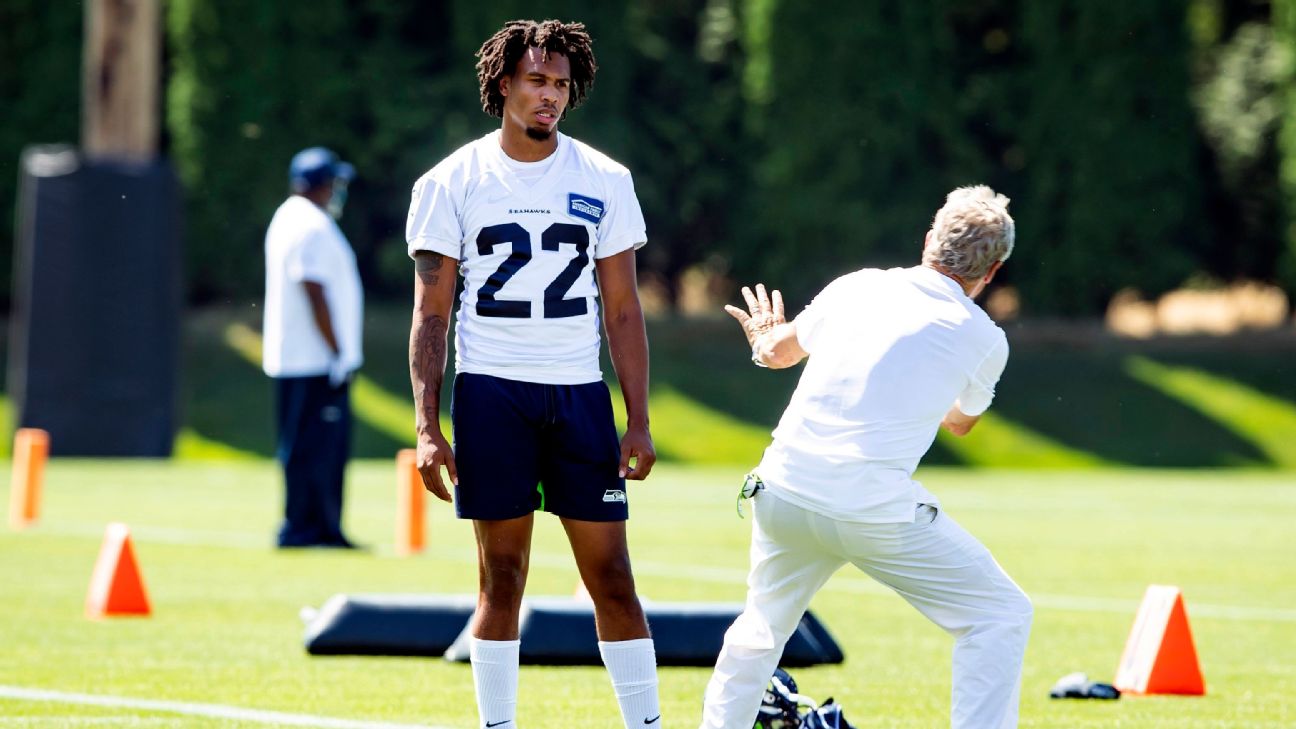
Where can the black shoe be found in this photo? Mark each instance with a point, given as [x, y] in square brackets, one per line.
[344, 543]
[1078, 686]
[335, 543]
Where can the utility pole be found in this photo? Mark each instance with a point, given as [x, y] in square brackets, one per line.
[94, 336]
[119, 113]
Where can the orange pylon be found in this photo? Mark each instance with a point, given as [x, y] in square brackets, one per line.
[116, 588]
[1159, 656]
[409, 504]
[30, 451]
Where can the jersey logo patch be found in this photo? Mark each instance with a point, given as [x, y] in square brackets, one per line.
[585, 207]
[612, 496]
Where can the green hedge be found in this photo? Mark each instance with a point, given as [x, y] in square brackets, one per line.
[856, 136]
[1285, 28]
[1112, 196]
[40, 83]
[251, 83]
[779, 140]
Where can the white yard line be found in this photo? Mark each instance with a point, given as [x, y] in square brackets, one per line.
[695, 573]
[213, 711]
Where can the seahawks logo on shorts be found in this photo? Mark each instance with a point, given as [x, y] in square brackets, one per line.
[614, 495]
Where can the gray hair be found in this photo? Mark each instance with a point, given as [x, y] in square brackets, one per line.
[970, 232]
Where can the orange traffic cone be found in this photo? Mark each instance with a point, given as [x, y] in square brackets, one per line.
[30, 451]
[409, 504]
[1159, 656]
[116, 588]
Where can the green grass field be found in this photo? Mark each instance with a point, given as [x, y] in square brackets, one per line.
[226, 630]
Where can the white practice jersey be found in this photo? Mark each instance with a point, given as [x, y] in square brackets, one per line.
[526, 238]
[890, 352]
[304, 244]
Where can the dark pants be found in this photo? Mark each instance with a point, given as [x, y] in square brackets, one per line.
[314, 442]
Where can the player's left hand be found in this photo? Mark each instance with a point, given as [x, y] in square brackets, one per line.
[637, 444]
[764, 312]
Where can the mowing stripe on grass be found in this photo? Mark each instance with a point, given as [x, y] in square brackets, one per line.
[371, 404]
[213, 711]
[998, 440]
[1266, 421]
[693, 573]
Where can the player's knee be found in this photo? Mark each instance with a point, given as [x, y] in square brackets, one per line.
[503, 579]
[611, 582]
[619, 590]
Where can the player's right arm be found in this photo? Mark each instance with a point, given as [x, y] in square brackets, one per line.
[434, 287]
[320, 311]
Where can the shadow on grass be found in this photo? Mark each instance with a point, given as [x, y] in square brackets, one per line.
[1082, 395]
[1271, 370]
[1088, 400]
[228, 400]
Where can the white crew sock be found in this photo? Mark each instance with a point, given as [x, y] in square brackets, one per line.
[495, 678]
[632, 664]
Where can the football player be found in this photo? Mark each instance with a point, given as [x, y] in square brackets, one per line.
[542, 228]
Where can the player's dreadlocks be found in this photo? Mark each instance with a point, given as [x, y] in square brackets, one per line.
[501, 52]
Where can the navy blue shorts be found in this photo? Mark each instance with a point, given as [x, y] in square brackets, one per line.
[522, 446]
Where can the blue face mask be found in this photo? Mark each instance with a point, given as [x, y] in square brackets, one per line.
[339, 198]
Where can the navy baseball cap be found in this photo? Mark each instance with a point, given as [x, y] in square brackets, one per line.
[315, 166]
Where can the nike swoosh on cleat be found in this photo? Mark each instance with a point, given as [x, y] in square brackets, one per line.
[488, 724]
[652, 720]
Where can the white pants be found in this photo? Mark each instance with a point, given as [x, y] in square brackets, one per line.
[933, 563]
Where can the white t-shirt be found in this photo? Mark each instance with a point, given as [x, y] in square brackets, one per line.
[526, 241]
[304, 244]
[890, 352]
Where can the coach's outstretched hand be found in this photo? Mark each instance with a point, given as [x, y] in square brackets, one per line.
[764, 312]
[433, 453]
[773, 340]
[637, 444]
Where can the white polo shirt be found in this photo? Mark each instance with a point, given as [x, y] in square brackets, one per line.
[304, 244]
[526, 237]
[890, 352]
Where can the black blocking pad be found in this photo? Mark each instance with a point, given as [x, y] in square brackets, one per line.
[553, 630]
[388, 625]
[560, 631]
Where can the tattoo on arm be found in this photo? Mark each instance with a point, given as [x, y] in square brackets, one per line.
[427, 365]
[428, 267]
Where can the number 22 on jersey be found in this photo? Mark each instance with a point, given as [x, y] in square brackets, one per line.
[556, 306]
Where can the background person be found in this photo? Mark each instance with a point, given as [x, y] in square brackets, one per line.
[893, 356]
[312, 345]
[530, 216]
